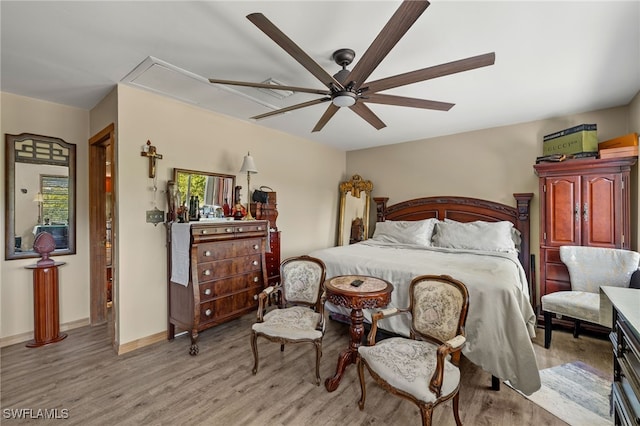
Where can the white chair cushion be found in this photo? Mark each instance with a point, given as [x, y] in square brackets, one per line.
[297, 322]
[408, 365]
[580, 305]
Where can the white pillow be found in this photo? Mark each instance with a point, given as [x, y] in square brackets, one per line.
[478, 235]
[516, 235]
[405, 231]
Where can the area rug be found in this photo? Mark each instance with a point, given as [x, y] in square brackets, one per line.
[576, 393]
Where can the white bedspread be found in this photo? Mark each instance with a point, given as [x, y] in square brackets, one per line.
[500, 322]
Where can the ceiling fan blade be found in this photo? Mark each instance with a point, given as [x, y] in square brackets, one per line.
[378, 98]
[330, 112]
[270, 86]
[408, 12]
[363, 111]
[291, 108]
[267, 27]
[431, 72]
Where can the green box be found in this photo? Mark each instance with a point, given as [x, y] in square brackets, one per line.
[575, 140]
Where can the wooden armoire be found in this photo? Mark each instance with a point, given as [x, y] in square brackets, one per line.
[584, 202]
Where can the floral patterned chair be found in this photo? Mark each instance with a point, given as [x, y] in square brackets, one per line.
[300, 314]
[589, 268]
[423, 368]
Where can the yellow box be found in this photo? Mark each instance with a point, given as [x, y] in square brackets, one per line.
[627, 140]
[575, 140]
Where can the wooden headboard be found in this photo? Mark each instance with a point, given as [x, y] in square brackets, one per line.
[465, 209]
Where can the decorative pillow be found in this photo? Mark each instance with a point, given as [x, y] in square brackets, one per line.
[478, 235]
[405, 231]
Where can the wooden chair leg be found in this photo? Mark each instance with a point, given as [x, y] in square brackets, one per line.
[426, 413]
[282, 347]
[576, 329]
[363, 390]
[254, 349]
[456, 413]
[547, 329]
[318, 355]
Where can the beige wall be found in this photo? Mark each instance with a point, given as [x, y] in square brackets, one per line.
[305, 175]
[26, 115]
[490, 164]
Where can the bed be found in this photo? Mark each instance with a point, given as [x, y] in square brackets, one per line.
[467, 239]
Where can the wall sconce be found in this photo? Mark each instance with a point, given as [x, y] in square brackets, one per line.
[39, 199]
[248, 166]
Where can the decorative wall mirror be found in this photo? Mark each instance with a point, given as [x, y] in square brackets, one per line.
[41, 194]
[214, 191]
[355, 199]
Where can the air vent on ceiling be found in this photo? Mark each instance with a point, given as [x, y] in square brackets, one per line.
[276, 93]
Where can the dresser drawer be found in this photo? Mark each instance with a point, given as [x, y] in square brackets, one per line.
[231, 305]
[227, 267]
[228, 286]
[208, 252]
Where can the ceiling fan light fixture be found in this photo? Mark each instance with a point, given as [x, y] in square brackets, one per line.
[344, 99]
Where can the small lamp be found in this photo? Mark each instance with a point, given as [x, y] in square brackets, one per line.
[248, 166]
[39, 199]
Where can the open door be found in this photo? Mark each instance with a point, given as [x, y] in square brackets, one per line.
[101, 236]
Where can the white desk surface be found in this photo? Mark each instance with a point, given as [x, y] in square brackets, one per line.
[627, 302]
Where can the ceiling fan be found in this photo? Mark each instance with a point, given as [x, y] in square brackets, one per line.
[350, 88]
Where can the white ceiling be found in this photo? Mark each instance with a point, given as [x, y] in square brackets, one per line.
[553, 58]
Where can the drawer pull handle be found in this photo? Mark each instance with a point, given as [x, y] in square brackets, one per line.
[207, 291]
[255, 247]
[204, 231]
[228, 230]
[207, 253]
[208, 312]
[207, 272]
[239, 229]
[254, 263]
[259, 228]
[256, 279]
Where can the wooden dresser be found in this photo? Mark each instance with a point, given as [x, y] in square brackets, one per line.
[625, 337]
[215, 270]
[584, 203]
[273, 258]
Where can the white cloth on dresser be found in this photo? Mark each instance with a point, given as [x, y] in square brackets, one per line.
[180, 241]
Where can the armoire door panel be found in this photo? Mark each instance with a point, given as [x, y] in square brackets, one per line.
[600, 198]
[562, 211]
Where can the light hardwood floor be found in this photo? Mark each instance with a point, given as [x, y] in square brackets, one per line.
[163, 384]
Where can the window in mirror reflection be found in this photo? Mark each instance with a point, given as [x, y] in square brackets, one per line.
[212, 190]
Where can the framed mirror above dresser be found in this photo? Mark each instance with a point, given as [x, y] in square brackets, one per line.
[213, 190]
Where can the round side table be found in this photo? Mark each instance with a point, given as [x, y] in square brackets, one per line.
[371, 293]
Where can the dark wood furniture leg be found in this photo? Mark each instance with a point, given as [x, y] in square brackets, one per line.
[547, 329]
[348, 356]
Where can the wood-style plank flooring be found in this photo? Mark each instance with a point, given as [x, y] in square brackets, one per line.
[162, 384]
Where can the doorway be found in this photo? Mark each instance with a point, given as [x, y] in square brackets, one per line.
[102, 240]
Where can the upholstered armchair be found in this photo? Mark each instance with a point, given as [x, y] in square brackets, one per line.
[423, 368]
[299, 314]
[589, 268]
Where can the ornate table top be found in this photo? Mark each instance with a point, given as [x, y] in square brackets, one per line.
[372, 293]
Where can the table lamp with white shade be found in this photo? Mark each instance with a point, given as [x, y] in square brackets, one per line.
[248, 166]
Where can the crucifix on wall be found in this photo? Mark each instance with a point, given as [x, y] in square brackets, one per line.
[149, 151]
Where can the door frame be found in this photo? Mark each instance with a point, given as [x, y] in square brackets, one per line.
[98, 157]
